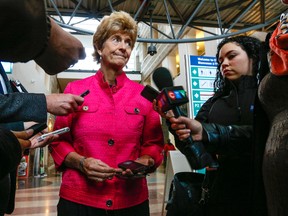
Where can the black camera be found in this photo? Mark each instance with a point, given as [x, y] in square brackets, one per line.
[152, 50]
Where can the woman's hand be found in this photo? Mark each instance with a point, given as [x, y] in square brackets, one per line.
[186, 127]
[167, 115]
[146, 160]
[97, 170]
[183, 126]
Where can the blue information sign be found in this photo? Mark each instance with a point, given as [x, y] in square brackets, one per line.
[202, 72]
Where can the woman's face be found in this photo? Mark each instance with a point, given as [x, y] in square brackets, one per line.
[116, 50]
[234, 61]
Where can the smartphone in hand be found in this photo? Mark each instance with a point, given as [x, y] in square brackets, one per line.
[37, 128]
[134, 166]
[60, 131]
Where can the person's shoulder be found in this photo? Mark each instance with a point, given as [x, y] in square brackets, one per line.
[79, 84]
[135, 85]
[83, 81]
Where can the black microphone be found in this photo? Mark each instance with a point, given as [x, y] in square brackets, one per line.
[162, 78]
[170, 98]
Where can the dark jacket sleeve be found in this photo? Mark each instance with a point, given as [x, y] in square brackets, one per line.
[14, 126]
[23, 107]
[10, 152]
[195, 152]
[227, 139]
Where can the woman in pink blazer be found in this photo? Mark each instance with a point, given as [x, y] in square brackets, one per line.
[114, 124]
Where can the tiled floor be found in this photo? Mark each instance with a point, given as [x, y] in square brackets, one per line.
[39, 196]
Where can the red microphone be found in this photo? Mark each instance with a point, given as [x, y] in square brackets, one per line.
[285, 2]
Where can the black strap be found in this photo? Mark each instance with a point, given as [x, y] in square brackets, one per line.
[207, 184]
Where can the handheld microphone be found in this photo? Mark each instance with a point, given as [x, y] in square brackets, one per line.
[149, 93]
[170, 98]
[162, 78]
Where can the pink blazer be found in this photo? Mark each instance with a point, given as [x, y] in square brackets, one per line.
[113, 125]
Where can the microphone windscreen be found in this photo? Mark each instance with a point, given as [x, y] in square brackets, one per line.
[162, 78]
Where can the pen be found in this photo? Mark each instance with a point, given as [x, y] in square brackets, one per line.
[85, 93]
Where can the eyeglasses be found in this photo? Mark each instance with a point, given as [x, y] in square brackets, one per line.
[116, 40]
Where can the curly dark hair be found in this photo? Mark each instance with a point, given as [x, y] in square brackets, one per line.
[251, 45]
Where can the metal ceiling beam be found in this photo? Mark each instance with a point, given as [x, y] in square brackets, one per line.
[215, 37]
[194, 20]
[169, 18]
[218, 16]
[190, 19]
[240, 15]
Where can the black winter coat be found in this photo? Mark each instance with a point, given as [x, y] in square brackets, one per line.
[227, 120]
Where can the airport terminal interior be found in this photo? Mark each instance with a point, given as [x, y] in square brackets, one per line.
[171, 34]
